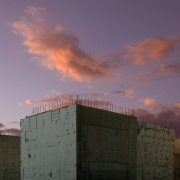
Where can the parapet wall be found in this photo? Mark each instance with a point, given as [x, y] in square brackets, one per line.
[155, 148]
[9, 157]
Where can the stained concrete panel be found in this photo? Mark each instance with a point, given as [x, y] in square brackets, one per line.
[50, 145]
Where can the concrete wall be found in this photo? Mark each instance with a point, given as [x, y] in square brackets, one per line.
[9, 157]
[177, 146]
[48, 144]
[106, 145]
[155, 147]
[177, 159]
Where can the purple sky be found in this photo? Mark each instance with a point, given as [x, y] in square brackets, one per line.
[125, 52]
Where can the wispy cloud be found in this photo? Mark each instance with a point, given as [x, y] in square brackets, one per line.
[151, 48]
[60, 50]
[89, 87]
[20, 104]
[129, 93]
[113, 59]
[14, 122]
[162, 72]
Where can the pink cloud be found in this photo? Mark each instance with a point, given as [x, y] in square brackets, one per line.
[29, 101]
[151, 48]
[59, 50]
[170, 69]
[149, 102]
[129, 93]
[162, 72]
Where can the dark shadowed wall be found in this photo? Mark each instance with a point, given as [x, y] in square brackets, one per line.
[9, 157]
[106, 145]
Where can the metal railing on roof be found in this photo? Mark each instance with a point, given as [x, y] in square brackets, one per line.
[99, 104]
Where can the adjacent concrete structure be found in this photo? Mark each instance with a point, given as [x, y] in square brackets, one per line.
[9, 157]
[79, 142]
[155, 148]
[177, 159]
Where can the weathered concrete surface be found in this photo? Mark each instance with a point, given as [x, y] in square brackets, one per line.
[106, 145]
[84, 143]
[177, 166]
[9, 157]
[155, 147]
[177, 159]
[48, 144]
[177, 146]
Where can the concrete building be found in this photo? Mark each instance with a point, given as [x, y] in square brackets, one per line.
[155, 152]
[9, 157]
[79, 142]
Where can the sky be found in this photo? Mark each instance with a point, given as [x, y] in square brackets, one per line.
[124, 53]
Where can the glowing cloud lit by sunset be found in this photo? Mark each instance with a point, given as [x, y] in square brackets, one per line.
[151, 48]
[149, 102]
[58, 49]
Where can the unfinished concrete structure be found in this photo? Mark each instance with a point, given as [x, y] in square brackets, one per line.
[155, 148]
[9, 157]
[79, 142]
